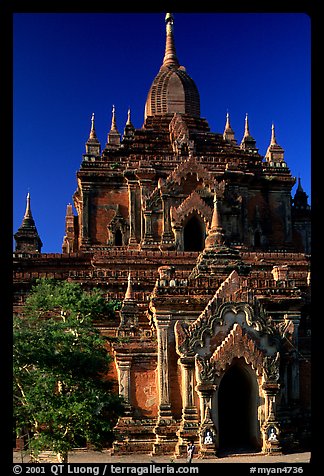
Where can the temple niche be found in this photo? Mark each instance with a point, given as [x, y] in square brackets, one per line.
[198, 236]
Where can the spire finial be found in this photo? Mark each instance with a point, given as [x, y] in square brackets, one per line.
[113, 120]
[227, 125]
[93, 134]
[129, 122]
[28, 213]
[246, 129]
[170, 56]
[228, 131]
[273, 135]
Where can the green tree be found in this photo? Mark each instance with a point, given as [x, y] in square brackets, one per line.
[61, 391]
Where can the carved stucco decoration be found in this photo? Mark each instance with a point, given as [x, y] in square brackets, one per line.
[219, 189]
[187, 167]
[190, 337]
[271, 368]
[179, 133]
[227, 300]
[251, 334]
[191, 166]
[192, 203]
[237, 344]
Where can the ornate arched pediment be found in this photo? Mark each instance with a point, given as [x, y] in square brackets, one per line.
[182, 172]
[238, 344]
[191, 166]
[189, 336]
[217, 315]
[193, 203]
[224, 310]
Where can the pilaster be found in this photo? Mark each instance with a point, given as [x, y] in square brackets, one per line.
[189, 425]
[270, 428]
[207, 431]
[148, 235]
[145, 175]
[295, 391]
[165, 429]
[85, 231]
[132, 184]
[124, 363]
[167, 239]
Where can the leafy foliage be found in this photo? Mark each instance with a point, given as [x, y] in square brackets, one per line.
[61, 390]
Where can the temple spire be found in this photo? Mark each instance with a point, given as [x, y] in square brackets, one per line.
[273, 135]
[128, 313]
[170, 55]
[274, 153]
[129, 128]
[129, 290]
[216, 219]
[28, 220]
[113, 138]
[113, 120]
[28, 214]
[246, 128]
[300, 198]
[93, 144]
[299, 187]
[93, 134]
[27, 238]
[129, 122]
[228, 131]
[248, 143]
[215, 235]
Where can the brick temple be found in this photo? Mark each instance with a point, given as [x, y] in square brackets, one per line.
[201, 239]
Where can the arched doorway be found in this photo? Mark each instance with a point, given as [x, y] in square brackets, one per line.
[237, 409]
[193, 235]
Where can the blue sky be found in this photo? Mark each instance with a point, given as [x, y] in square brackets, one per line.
[68, 65]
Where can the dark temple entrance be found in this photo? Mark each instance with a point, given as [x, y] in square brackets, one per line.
[118, 238]
[193, 235]
[237, 410]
